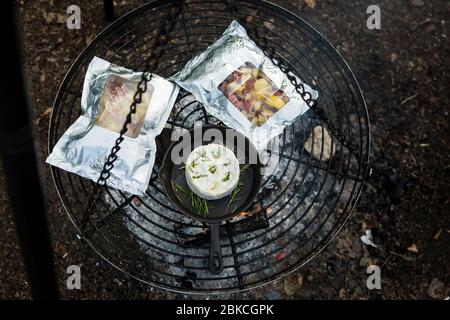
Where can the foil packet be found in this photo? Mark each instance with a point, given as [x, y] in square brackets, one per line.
[108, 92]
[239, 85]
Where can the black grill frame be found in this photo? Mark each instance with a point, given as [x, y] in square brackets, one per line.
[341, 99]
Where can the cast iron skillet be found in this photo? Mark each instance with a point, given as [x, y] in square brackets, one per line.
[218, 210]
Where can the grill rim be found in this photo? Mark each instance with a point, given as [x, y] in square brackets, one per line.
[276, 276]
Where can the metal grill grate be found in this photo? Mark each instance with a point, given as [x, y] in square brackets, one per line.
[299, 209]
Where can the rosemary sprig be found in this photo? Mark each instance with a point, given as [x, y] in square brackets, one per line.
[235, 192]
[199, 204]
[179, 187]
[244, 168]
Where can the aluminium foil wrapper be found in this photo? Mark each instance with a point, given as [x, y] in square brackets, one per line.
[239, 85]
[108, 92]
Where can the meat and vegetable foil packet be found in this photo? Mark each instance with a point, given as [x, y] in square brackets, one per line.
[108, 92]
[238, 84]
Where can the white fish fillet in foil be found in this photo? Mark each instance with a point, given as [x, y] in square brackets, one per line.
[108, 92]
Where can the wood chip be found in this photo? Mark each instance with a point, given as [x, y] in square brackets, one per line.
[249, 18]
[437, 234]
[47, 111]
[310, 3]
[408, 99]
[136, 202]
[118, 282]
[412, 248]
[300, 280]
[54, 17]
[244, 213]
[269, 24]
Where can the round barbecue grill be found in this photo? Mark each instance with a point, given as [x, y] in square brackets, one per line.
[299, 208]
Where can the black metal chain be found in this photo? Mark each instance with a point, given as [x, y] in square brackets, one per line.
[299, 87]
[161, 39]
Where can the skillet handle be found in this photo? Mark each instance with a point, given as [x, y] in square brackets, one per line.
[215, 250]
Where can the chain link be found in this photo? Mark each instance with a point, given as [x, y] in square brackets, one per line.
[161, 39]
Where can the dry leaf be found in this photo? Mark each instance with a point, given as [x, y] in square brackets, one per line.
[47, 111]
[412, 248]
[290, 284]
[436, 290]
[365, 262]
[393, 57]
[54, 17]
[310, 3]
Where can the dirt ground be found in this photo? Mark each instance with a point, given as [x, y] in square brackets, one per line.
[404, 74]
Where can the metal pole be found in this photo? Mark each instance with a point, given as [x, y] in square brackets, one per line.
[110, 14]
[20, 166]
